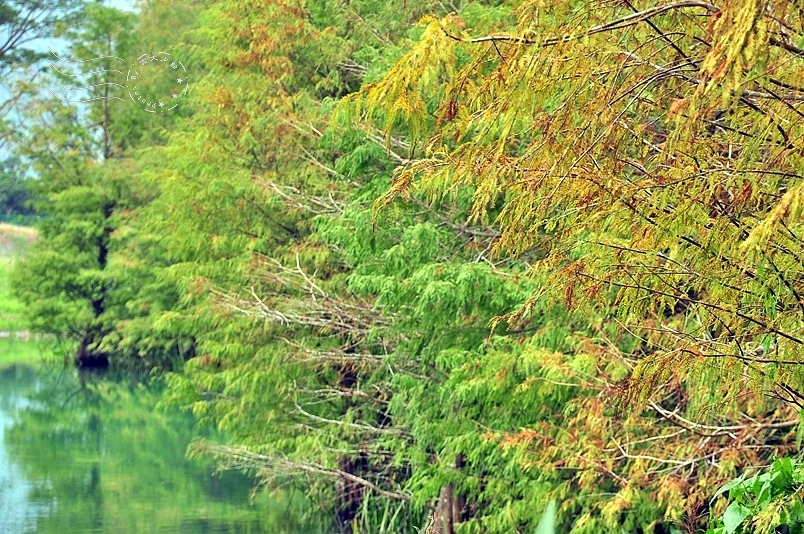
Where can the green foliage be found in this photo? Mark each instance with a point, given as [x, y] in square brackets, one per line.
[448, 263]
[626, 183]
[15, 190]
[89, 277]
[762, 502]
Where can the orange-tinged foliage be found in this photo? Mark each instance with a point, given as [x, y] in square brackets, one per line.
[652, 153]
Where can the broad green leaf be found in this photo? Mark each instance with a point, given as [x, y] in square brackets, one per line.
[734, 516]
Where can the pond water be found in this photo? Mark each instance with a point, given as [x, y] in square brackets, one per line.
[92, 455]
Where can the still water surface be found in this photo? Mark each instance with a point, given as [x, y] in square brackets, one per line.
[93, 456]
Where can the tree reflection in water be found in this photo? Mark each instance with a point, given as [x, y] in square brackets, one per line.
[91, 454]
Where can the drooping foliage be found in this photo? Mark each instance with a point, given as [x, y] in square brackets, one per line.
[650, 153]
[445, 263]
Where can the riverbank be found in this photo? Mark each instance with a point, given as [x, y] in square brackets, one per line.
[15, 239]
[16, 343]
[10, 308]
[13, 242]
[13, 352]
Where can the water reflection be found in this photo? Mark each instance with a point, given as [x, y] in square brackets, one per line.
[14, 487]
[81, 456]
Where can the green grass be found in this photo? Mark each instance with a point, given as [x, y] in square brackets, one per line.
[10, 308]
[13, 241]
[33, 352]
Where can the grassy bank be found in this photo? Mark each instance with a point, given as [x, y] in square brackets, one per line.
[29, 352]
[13, 242]
[10, 308]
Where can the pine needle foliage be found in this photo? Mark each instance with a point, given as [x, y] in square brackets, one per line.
[636, 164]
[92, 277]
[651, 152]
[443, 264]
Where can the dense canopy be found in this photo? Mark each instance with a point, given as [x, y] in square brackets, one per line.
[442, 263]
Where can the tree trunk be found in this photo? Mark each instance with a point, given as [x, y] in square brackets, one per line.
[451, 507]
[443, 517]
[88, 356]
[349, 493]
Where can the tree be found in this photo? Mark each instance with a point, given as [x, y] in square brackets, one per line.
[82, 203]
[651, 152]
[23, 21]
[268, 219]
[78, 280]
[554, 310]
[15, 189]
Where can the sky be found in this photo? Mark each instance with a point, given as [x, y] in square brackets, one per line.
[42, 44]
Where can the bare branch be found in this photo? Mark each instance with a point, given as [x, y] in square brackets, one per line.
[240, 458]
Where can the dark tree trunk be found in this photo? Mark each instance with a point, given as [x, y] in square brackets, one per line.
[349, 493]
[88, 356]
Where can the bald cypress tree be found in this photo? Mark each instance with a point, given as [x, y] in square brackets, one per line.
[648, 154]
[84, 280]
